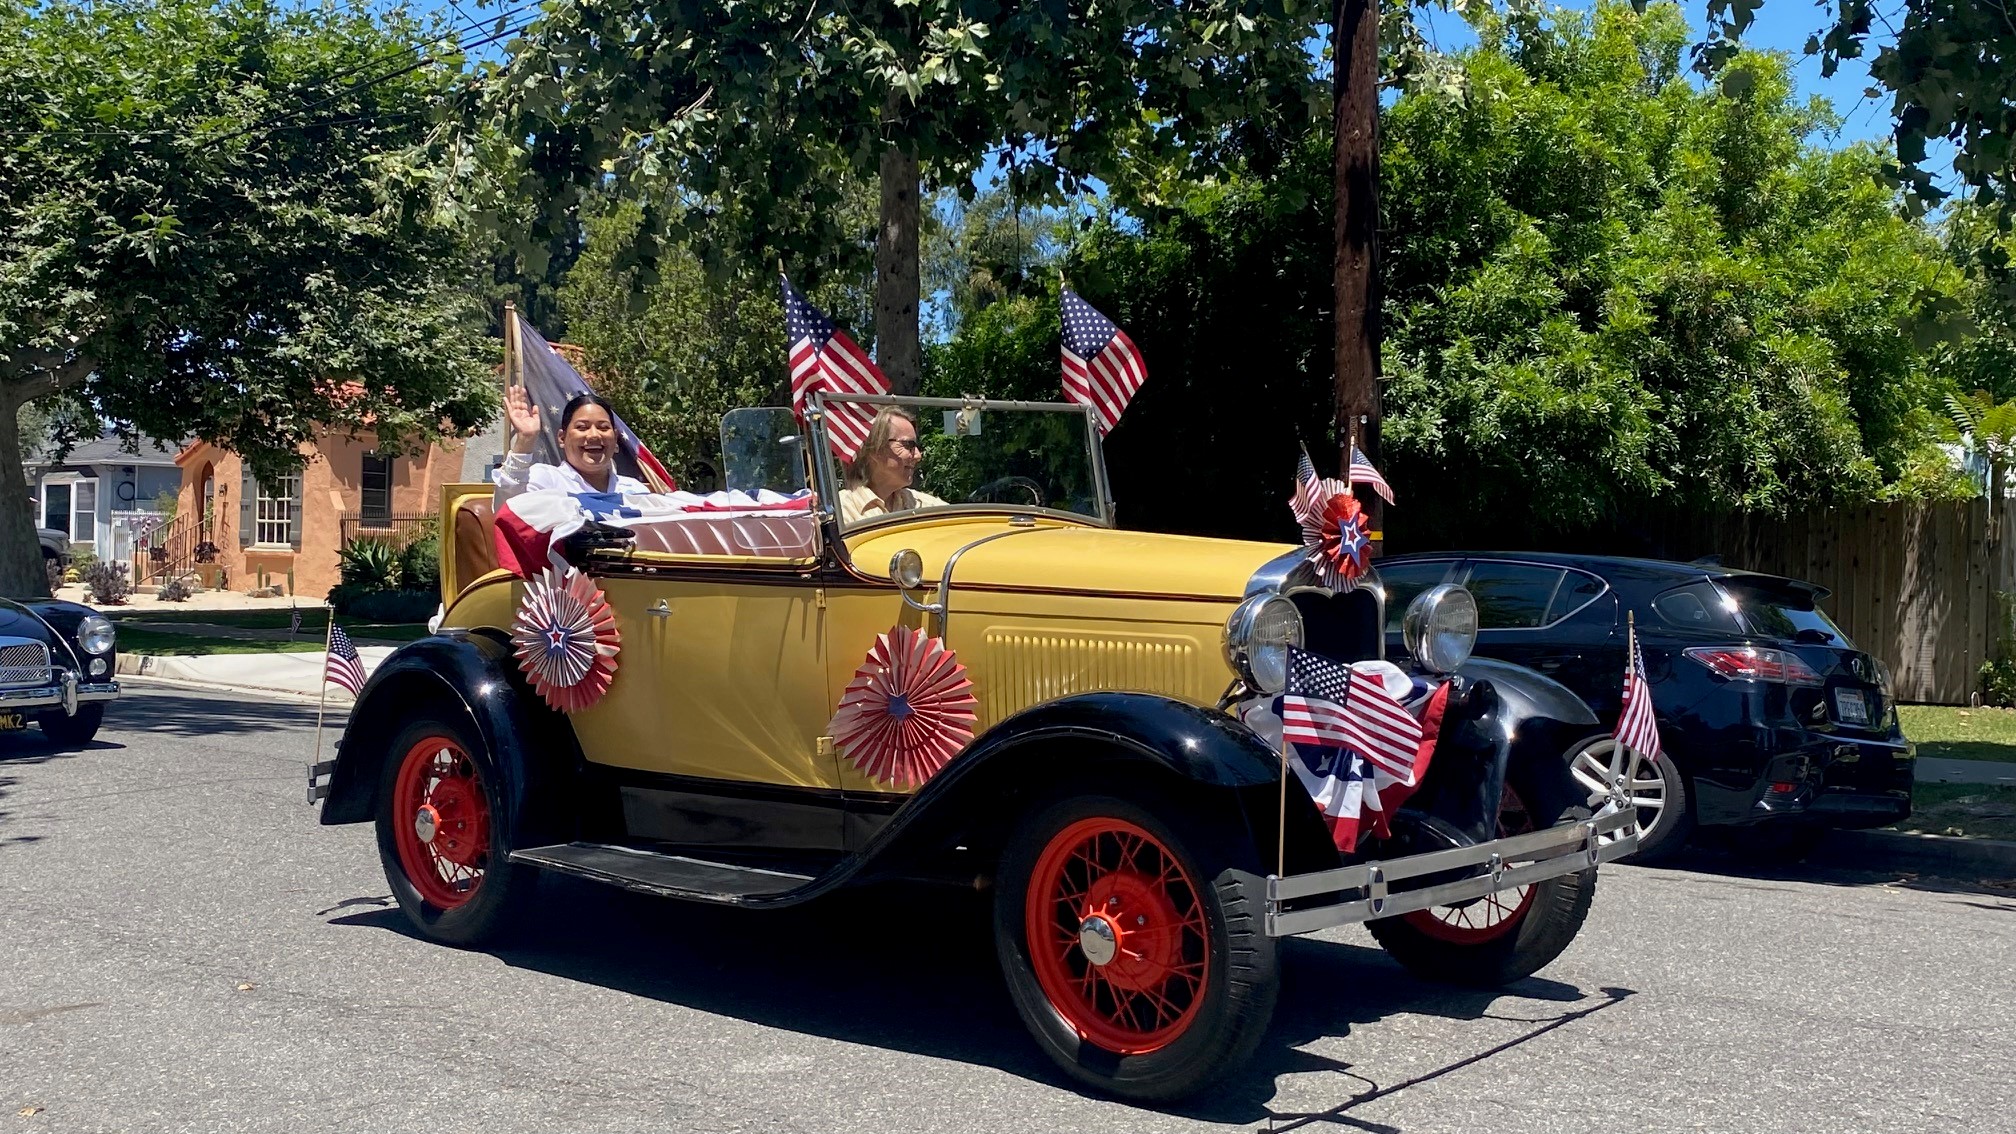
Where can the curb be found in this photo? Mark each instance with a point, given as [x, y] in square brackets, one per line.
[1930, 854]
[144, 669]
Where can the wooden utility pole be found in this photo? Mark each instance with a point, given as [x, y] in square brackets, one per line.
[1356, 51]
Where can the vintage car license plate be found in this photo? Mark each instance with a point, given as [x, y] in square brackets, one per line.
[10, 722]
[1850, 707]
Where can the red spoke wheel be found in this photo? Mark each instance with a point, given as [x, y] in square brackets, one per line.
[444, 846]
[1131, 935]
[1501, 937]
[1117, 935]
[442, 835]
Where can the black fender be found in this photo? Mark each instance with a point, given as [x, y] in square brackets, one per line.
[1506, 724]
[1108, 742]
[531, 746]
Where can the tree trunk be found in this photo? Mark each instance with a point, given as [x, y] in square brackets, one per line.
[896, 346]
[21, 572]
[1356, 24]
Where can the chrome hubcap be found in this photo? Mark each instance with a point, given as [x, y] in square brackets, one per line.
[1097, 939]
[1602, 770]
[427, 823]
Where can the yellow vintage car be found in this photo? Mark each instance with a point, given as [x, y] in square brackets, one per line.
[996, 686]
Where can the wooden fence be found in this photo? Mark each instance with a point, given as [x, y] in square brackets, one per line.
[1915, 584]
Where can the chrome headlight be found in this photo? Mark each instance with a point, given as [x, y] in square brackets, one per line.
[1257, 639]
[1440, 627]
[95, 634]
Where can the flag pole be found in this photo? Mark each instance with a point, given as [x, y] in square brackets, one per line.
[322, 699]
[1281, 822]
[513, 347]
[1630, 785]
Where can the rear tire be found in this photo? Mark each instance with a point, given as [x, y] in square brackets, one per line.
[1188, 979]
[1495, 940]
[1666, 826]
[442, 833]
[66, 731]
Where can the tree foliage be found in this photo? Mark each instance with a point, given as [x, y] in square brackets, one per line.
[206, 227]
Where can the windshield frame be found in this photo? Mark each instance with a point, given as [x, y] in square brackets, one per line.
[825, 482]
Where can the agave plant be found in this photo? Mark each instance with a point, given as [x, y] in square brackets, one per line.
[369, 564]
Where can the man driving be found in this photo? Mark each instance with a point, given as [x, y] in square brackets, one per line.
[880, 475]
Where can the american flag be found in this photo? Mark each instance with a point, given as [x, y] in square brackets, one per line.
[1102, 366]
[1362, 472]
[551, 382]
[824, 358]
[345, 668]
[1358, 750]
[1637, 729]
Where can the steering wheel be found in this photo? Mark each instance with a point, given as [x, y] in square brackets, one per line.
[996, 492]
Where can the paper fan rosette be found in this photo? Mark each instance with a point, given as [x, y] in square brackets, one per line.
[566, 640]
[908, 711]
[1333, 529]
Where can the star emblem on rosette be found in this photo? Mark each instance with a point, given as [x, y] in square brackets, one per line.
[908, 711]
[565, 639]
[1334, 527]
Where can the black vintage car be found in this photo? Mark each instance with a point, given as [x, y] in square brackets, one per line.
[56, 669]
[1777, 727]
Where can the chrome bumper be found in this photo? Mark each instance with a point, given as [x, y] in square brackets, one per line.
[67, 692]
[1520, 860]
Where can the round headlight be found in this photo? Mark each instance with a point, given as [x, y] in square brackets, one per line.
[94, 634]
[906, 567]
[1440, 627]
[1257, 638]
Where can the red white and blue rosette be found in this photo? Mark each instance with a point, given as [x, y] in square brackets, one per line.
[908, 711]
[565, 639]
[1335, 528]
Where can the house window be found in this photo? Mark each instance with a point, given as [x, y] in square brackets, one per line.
[70, 506]
[56, 507]
[273, 516]
[377, 485]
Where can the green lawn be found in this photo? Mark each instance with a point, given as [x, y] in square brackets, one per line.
[133, 641]
[1962, 809]
[1961, 734]
[264, 618]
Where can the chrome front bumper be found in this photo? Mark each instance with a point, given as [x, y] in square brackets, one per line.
[67, 691]
[1365, 891]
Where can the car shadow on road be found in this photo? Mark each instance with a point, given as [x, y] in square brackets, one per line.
[188, 714]
[911, 968]
[1824, 869]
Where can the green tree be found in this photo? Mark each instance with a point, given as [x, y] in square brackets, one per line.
[206, 227]
[757, 112]
[1951, 74]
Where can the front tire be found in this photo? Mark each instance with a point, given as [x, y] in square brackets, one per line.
[1497, 939]
[441, 834]
[66, 731]
[1134, 945]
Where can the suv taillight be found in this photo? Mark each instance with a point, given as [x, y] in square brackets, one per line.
[1751, 663]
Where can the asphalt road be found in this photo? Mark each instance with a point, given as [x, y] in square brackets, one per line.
[182, 947]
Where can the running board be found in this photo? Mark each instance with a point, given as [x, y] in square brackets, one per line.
[666, 875]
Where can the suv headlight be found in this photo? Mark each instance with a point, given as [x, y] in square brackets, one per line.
[95, 634]
[1440, 627]
[1257, 639]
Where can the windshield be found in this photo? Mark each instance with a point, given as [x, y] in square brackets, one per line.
[938, 453]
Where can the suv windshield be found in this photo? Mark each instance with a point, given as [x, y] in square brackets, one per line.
[933, 453]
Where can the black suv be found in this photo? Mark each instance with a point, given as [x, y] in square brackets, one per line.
[1775, 725]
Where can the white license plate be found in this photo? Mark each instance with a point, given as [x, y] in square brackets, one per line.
[1850, 707]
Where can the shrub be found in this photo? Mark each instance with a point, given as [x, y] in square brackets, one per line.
[175, 590]
[420, 565]
[55, 571]
[107, 582]
[369, 565]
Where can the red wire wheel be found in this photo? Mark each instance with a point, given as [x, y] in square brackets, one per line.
[441, 822]
[1117, 935]
[1490, 917]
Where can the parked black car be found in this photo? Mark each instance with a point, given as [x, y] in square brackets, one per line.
[57, 667]
[1776, 727]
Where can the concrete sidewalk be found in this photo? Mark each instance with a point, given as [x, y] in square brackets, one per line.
[1935, 770]
[299, 674]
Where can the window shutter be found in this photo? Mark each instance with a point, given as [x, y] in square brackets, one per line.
[248, 495]
[300, 483]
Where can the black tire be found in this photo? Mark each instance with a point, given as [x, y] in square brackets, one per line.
[1546, 925]
[1242, 983]
[65, 731]
[1674, 828]
[1775, 842]
[494, 906]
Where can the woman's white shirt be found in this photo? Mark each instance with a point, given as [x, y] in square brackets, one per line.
[520, 473]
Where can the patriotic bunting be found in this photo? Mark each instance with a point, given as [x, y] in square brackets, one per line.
[1359, 749]
[908, 711]
[566, 640]
[1333, 527]
[824, 358]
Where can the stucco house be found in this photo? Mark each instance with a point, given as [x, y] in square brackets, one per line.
[98, 490]
[286, 533]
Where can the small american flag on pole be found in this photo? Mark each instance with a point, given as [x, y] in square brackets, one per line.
[1102, 366]
[1358, 750]
[1637, 728]
[345, 668]
[1362, 472]
[824, 358]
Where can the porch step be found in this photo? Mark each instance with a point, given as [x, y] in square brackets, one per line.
[666, 875]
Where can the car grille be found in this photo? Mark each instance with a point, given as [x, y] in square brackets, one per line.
[23, 663]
